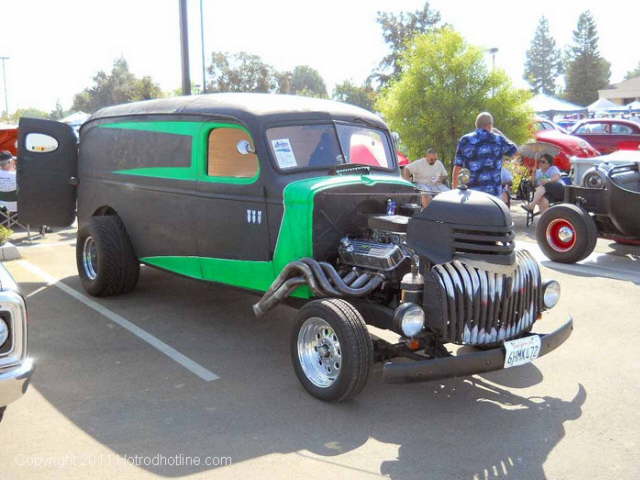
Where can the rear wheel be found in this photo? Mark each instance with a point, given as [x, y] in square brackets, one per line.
[331, 349]
[566, 233]
[2, 409]
[106, 262]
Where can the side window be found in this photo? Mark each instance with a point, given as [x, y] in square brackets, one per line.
[620, 129]
[40, 143]
[591, 128]
[224, 158]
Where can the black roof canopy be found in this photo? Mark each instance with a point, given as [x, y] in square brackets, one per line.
[253, 109]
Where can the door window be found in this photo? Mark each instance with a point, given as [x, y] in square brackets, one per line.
[592, 128]
[620, 129]
[231, 154]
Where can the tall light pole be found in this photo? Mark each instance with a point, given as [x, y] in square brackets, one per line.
[204, 78]
[4, 84]
[184, 49]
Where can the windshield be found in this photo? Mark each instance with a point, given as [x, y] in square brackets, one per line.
[323, 146]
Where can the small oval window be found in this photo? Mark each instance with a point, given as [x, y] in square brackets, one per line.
[40, 143]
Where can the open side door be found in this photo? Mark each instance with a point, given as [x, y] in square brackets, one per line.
[47, 173]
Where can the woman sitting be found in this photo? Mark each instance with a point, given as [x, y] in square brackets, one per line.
[549, 187]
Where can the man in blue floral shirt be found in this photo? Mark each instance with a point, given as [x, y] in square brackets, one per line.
[481, 152]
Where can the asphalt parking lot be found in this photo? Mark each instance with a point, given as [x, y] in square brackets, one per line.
[182, 370]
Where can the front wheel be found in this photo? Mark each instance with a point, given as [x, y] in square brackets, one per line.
[566, 233]
[106, 261]
[331, 349]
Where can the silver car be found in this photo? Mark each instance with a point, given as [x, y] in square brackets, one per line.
[16, 367]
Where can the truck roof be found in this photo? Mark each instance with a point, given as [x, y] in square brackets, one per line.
[251, 108]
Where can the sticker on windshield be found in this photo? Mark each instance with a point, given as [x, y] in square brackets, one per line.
[284, 153]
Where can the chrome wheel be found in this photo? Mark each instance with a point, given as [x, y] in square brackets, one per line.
[319, 352]
[561, 235]
[90, 258]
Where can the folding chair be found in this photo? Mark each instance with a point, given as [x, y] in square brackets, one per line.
[9, 214]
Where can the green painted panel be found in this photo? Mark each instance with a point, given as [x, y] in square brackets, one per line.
[187, 266]
[199, 131]
[175, 128]
[173, 173]
[239, 273]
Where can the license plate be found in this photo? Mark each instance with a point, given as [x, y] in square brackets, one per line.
[521, 351]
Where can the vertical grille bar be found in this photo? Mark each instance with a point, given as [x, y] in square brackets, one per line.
[484, 307]
[459, 300]
[447, 284]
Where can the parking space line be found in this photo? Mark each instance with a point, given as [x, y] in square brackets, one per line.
[186, 362]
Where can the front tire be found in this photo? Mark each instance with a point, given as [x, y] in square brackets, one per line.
[331, 349]
[566, 233]
[105, 258]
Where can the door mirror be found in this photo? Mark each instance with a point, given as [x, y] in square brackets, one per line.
[244, 147]
[40, 143]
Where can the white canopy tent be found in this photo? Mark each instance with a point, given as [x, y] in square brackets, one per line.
[547, 105]
[602, 105]
[75, 119]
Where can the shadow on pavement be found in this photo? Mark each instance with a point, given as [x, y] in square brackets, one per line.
[136, 401]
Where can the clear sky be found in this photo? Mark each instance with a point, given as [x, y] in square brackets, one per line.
[56, 47]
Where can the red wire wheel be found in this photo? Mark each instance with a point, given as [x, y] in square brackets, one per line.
[561, 235]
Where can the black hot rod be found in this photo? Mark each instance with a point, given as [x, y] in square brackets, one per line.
[607, 205]
[301, 201]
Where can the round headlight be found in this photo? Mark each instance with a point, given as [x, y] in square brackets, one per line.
[4, 332]
[551, 294]
[409, 319]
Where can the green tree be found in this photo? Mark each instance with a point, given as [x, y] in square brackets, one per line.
[27, 112]
[308, 81]
[58, 112]
[397, 31]
[633, 73]
[363, 96]
[240, 72]
[586, 71]
[444, 85]
[543, 61]
[119, 86]
[303, 80]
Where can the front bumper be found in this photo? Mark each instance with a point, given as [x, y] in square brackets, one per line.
[14, 381]
[466, 364]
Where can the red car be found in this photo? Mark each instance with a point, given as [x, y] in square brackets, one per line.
[609, 134]
[569, 145]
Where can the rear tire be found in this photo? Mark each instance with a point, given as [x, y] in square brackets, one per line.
[566, 233]
[106, 262]
[2, 409]
[331, 350]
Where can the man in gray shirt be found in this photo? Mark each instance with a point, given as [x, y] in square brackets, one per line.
[428, 174]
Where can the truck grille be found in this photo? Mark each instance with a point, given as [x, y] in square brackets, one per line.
[484, 240]
[484, 307]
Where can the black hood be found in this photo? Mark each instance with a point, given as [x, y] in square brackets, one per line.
[468, 207]
[465, 225]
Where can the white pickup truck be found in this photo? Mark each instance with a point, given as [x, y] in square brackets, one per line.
[16, 367]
